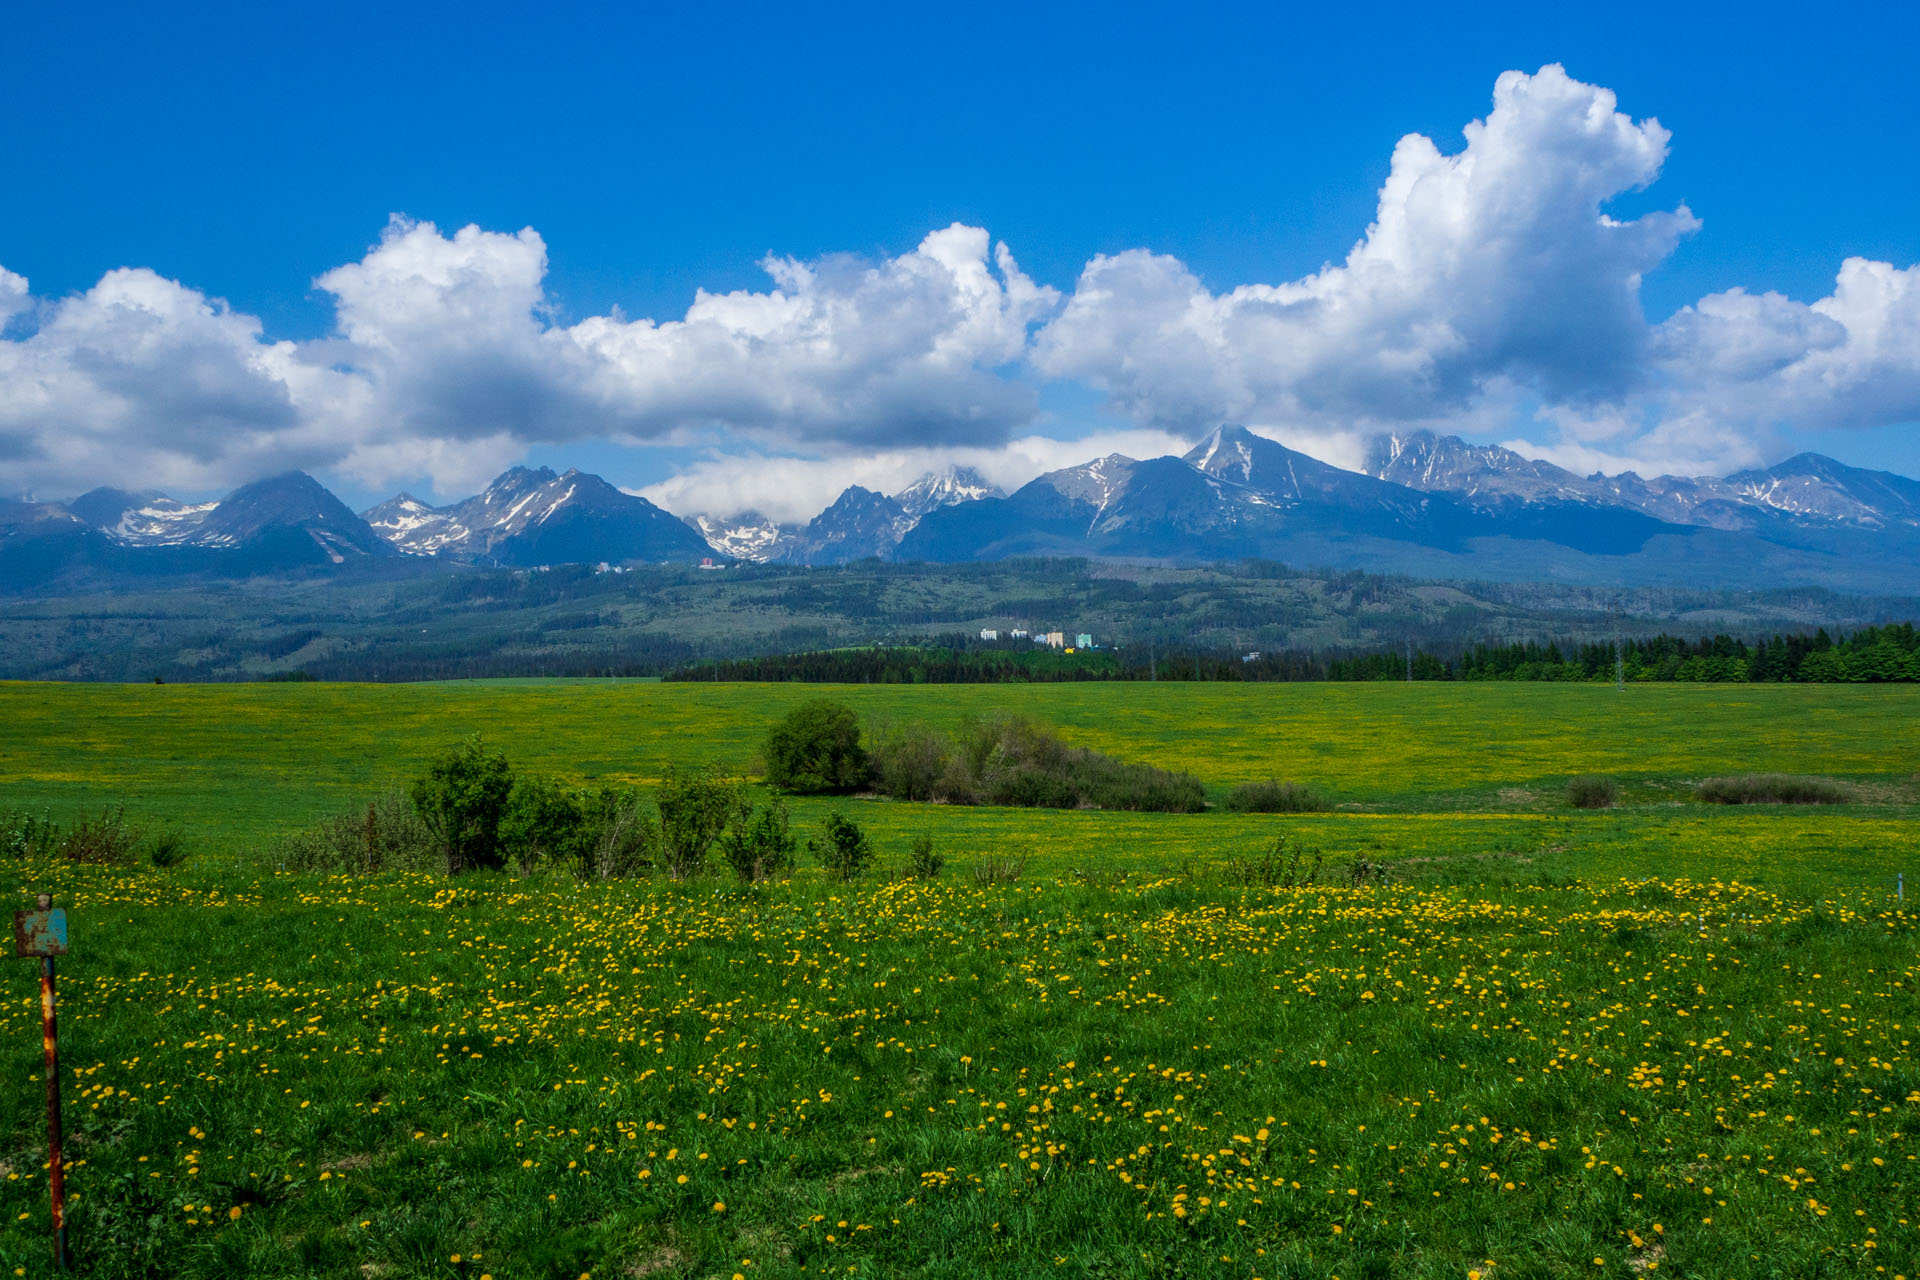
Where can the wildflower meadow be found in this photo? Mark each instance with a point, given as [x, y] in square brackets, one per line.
[1480, 1033]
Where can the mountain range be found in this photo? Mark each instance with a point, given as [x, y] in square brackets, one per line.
[1422, 504]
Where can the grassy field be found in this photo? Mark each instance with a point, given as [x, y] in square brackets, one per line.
[1663, 1039]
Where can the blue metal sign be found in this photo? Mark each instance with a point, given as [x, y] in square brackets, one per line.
[40, 933]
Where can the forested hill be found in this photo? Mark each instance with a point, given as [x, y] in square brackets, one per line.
[1147, 621]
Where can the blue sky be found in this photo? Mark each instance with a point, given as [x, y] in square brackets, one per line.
[243, 153]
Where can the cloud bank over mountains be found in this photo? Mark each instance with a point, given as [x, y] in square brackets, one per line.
[1493, 295]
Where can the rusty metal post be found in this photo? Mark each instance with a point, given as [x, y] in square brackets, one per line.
[43, 933]
[56, 1169]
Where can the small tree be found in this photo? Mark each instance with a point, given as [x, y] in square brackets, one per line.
[760, 847]
[541, 825]
[695, 808]
[461, 799]
[923, 862]
[815, 750]
[842, 848]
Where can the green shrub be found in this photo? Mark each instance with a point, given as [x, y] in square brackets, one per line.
[109, 840]
[1592, 791]
[618, 838]
[461, 798]
[386, 835]
[815, 750]
[923, 860]
[913, 765]
[1275, 797]
[761, 846]
[24, 835]
[696, 806]
[842, 848]
[1776, 788]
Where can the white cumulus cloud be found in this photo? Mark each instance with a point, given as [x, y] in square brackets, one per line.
[143, 381]
[792, 490]
[446, 360]
[1495, 264]
[1495, 293]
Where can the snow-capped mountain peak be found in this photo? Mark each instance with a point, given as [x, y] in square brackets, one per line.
[945, 488]
[530, 515]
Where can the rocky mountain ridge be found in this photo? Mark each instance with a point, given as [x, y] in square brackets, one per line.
[1421, 504]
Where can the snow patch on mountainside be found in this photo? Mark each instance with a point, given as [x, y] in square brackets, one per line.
[747, 536]
[162, 522]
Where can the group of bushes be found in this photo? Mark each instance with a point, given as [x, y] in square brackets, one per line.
[1011, 760]
[1776, 788]
[1001, 760]
[470, 811]
[1592, 791]
[108, 840]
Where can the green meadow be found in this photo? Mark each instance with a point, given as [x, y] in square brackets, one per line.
[1662, 1038]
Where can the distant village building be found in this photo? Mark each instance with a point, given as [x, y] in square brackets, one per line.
[1250, 657]
[1056, 639]
[1017, 634]
[988, 633]
[1083, 641]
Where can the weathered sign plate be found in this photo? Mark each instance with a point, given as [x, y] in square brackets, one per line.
[40, 933]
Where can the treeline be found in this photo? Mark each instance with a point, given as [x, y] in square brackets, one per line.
[1871, 655]
[908, 665]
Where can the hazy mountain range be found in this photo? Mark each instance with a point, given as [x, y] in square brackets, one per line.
[1422, 504]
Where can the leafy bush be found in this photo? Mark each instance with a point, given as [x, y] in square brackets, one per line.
[1592, 791]
[109, 840]
[815, 750]
[842, 848]
[696, 806]
[387, 835]
[761, 846]
[1775, 788]
[617, 837]
[541, 825]
[1275, 797]
[23, 835]
[461, 798]
[923, 860]
[913, 765]
[1011, 760]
